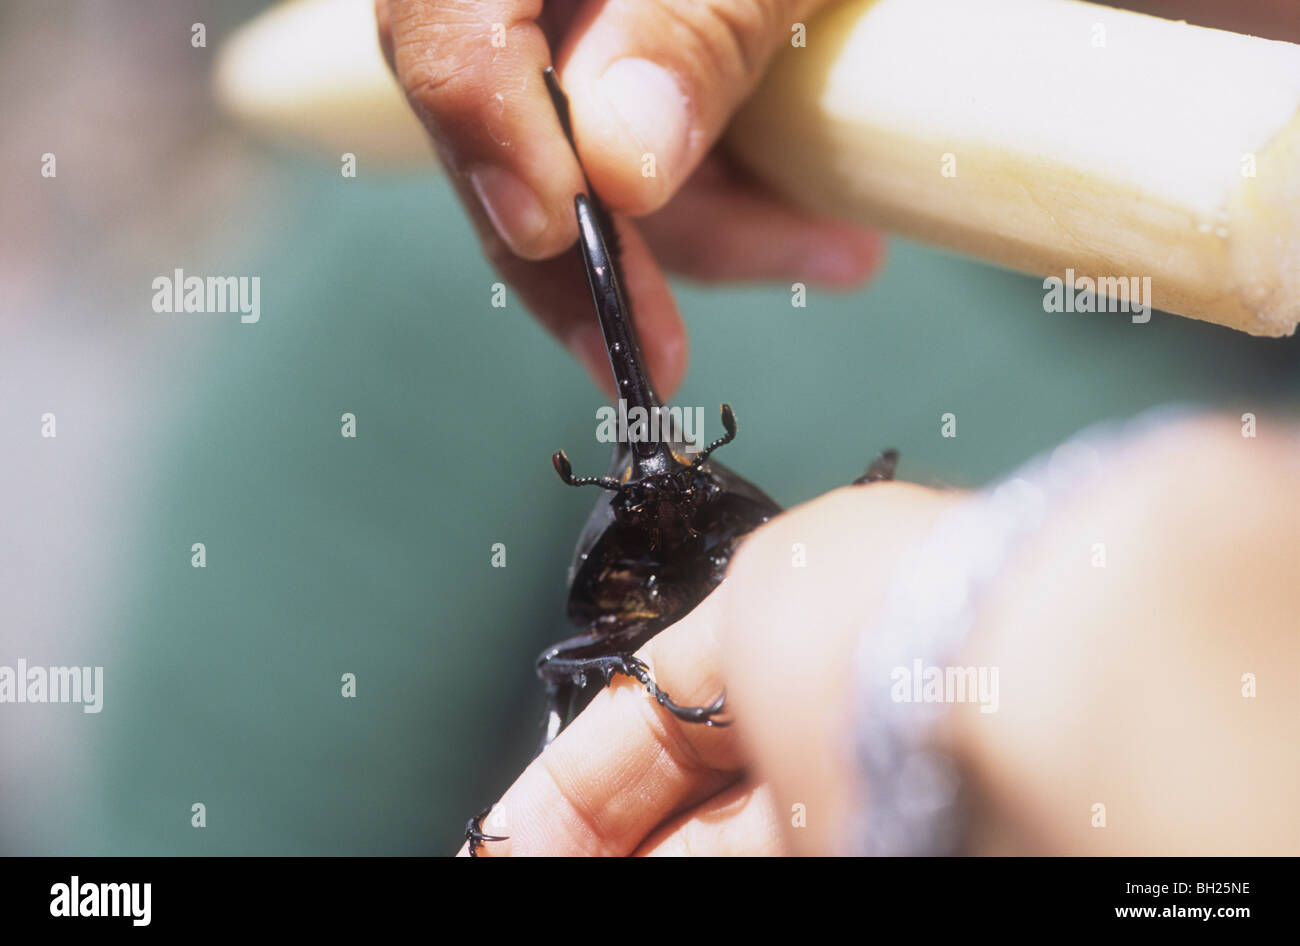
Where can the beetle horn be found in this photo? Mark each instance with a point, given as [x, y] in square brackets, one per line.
[598, 240]
[631, 379]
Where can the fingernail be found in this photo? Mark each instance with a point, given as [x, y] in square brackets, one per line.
[511, 205]
[654, 107]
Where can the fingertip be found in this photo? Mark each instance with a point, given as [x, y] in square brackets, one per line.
[477, 84]
[654, 85]
[514, 210]
[637, 130]
[636, 126]
[846, 258]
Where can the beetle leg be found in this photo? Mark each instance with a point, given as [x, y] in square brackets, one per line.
[634, 667]
[577, 659]
[881, 469]
[474, 836]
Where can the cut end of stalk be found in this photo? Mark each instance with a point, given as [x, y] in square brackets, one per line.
[1051, 135]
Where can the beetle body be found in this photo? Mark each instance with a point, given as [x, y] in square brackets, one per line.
[651, 551]
[656, 569]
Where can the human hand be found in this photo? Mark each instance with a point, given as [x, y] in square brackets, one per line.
[627, 778]
[651, 87]
[1121, 684]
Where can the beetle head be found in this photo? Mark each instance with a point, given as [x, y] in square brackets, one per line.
[662, 490]
[664, 502]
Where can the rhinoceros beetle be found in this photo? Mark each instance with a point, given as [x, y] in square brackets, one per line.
[659, 542]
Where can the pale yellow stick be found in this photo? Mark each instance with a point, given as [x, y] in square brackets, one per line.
[309, 72]
[1047, 135]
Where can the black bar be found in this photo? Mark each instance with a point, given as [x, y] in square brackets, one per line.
[330, 894]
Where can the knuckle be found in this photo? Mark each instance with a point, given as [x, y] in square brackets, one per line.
[454, 76]
[446, 89]
[583, 821]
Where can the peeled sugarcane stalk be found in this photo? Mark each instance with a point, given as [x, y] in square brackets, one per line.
[1046, 136]
[309, 72]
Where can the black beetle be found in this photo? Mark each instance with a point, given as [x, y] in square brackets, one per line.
[661, 541]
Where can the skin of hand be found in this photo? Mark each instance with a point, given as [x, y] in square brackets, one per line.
[644, 79]
[1120, 685]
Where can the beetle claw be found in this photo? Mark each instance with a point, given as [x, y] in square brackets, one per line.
[635, 667]
[881, 469]
[474, 836]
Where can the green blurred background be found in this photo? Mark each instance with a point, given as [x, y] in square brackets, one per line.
[372, 555]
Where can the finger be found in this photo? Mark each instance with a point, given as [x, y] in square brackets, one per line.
[477, 116]
[751, 235]
[557, 293]
[625, 765]
[739, 822]
[789, 628]
[654, 84]
[475, 79]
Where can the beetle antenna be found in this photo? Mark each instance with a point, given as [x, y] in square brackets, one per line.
[729, 425]
[565, 469]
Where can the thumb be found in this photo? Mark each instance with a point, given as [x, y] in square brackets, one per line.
[652, 86]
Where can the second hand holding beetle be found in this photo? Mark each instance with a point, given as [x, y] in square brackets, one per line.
[661, 542]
